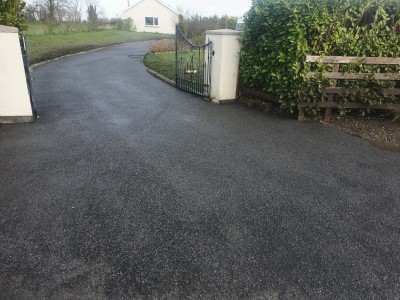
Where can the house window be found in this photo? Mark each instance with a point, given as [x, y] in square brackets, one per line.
[150, 21]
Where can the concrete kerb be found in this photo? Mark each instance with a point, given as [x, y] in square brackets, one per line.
[78, 53]
[155, 74]
[150, 71]
[159, 76]
[173, 83]
[34, 66]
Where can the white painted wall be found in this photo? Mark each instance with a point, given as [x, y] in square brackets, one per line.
[15, 105]
[167, 18]
[225, 63]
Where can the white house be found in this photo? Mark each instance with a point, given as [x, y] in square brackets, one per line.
[152, 16]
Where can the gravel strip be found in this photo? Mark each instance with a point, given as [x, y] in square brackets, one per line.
[382, 132]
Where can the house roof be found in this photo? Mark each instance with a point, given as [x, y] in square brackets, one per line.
[163, 4]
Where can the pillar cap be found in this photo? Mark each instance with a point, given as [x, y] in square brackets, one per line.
[8, 29]
[223, 32]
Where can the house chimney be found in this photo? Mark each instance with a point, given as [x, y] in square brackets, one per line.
[129, 4]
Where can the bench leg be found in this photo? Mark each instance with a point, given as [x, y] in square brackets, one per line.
[328, 114]
[331, 97]
[301, 114]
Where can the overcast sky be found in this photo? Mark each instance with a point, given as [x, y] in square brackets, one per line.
[112, 8]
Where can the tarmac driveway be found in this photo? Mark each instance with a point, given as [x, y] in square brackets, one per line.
[127, 188]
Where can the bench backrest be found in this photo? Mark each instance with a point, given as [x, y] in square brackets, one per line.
[350, 59]
[337, 60]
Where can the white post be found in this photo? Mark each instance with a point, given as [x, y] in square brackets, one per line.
[225, 63]
[15, 104]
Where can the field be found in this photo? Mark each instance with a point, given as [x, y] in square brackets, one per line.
[42, 47]
[37, 28]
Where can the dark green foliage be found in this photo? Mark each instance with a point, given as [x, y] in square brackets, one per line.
[11, 14]
[280, 33]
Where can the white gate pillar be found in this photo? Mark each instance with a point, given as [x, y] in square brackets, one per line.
[15, 104]
[225, 63]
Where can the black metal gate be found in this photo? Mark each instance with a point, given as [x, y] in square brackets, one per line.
[24, 52]
[193, 65]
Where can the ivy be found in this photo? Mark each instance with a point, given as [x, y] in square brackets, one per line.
[280, 33]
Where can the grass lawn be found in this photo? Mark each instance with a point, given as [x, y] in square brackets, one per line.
[162, 63]
[44, 47]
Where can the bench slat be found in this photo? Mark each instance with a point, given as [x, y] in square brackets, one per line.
[355, 76]
[349, 59]
[340, 90]
[336, 75]
[350, 105]
[327, 104]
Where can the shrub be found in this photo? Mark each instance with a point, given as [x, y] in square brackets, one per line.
[280, 33]
[11, 14]
[124, 24]
[162, 46]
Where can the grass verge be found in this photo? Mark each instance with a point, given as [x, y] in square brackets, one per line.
[46, 47]
[162, 63]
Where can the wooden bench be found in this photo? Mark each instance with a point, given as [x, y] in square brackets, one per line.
[335, 75]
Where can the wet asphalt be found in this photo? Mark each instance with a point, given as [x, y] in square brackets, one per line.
[127, 188]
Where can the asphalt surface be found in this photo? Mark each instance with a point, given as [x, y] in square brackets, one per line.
[127, 188]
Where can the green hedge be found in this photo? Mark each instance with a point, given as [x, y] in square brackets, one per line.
[11, 14]
[280, 33]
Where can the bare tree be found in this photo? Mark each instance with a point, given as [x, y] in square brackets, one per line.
[73, 16]
[75, 10]
[95, 14]
[53, 12]
[92, 16]
[32, 11]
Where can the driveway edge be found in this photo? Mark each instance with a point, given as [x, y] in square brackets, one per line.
[159, 76]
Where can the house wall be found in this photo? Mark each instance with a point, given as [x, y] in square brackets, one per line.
[15, 105]
[152, 8]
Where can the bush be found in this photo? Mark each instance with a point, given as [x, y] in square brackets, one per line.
[280, 33]
[124, 24]
[11, 14]
[162, 46]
